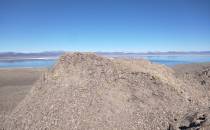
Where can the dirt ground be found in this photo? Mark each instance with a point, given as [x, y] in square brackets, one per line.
[14, 85]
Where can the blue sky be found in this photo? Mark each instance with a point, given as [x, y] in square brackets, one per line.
[104, 25]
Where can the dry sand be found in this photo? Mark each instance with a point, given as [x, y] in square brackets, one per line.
[85, 91]
[14, 85]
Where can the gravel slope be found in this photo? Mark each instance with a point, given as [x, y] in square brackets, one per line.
[86, 91]
[14, 85]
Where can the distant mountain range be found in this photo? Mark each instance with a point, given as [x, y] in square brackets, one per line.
[56, 54]
[41, 55]
[157, 53]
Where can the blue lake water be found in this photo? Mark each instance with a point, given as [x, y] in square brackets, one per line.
[181, 59]
[167, 60]
[39, 63]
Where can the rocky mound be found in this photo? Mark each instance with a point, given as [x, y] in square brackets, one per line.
[86, 91]
[195, 73]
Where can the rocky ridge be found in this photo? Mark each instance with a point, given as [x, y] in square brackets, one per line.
[86, 91]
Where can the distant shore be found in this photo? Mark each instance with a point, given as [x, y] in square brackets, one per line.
[57, 54]
[37, 58]
[49, 61]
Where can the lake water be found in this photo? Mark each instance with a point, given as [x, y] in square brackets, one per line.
[174, 60]
[167, 60]
[39, 63]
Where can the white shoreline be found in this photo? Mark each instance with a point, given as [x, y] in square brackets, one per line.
[41, 58]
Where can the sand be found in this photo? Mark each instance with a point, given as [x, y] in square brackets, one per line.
[84, 91]
[14, 85]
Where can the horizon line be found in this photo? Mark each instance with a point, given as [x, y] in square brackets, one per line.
[63, 51]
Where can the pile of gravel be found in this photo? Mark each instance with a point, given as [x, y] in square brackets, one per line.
[86, 91]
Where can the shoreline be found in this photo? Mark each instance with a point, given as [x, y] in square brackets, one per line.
[24, 68]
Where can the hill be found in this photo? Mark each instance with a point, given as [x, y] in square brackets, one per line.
[86, 91]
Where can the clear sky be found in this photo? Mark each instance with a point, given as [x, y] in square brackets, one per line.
[104, 25]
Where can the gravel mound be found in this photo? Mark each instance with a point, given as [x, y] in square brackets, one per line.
[86, 91]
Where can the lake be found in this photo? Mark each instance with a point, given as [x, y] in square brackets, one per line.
[166, 60]
[29, 63]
